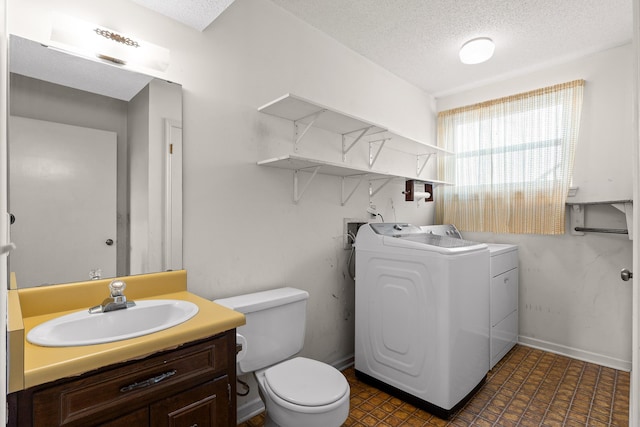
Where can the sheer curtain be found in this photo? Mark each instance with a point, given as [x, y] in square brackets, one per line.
[512, 161]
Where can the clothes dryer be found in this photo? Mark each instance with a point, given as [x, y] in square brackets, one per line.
[422, 315]
[503, 293]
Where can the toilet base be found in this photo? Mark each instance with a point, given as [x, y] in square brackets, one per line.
[279, 416]
[314, 420]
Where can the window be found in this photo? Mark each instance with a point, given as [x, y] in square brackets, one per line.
[512, 161]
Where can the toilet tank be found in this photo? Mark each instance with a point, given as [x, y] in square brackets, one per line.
[274, 329]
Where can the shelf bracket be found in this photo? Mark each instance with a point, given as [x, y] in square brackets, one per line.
[420, 168]
[297, 192]
[577, 219]
[373, 157]
[344, 199]
[346, 149]
[627, 209]
[373, 192]
[300, 135]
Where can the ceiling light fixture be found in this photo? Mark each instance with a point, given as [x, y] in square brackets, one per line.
[87, 39]
[477, 50]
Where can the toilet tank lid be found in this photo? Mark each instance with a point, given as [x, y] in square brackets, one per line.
[257, 301]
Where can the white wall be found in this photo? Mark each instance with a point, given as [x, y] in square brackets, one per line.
[571, 297]
[242, 232]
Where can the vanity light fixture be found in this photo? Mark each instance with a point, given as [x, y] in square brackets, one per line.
[91, 40]
[477, 50]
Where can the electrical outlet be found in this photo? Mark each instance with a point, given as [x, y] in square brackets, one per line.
[351, 226]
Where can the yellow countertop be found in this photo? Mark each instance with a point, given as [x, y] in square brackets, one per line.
[44, 364]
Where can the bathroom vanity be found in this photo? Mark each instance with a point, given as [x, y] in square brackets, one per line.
[193, 384]
[184, 375]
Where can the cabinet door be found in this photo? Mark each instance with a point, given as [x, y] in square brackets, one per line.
[138, 418]
[207, 405]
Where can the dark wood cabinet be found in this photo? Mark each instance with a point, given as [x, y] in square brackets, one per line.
[193, 384]
[137, 418]
[203, 406]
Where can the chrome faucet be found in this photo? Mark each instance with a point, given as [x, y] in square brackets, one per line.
[116, 301]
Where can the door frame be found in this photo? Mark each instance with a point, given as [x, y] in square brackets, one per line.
[634, 393]
[172, 257]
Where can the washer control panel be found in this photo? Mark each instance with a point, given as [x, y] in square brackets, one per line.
[394, 228]
[442, 230]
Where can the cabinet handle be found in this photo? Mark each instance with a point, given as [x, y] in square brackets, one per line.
[150, 381]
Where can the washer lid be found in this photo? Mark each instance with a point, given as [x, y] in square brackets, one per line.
[306, 382]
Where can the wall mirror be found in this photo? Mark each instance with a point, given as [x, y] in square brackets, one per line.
[95, 168]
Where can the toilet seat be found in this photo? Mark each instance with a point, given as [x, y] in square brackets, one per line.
[306, 382]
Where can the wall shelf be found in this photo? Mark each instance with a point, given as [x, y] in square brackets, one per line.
[314, 166]
[306, 114]
[576, 217]
[298, 109]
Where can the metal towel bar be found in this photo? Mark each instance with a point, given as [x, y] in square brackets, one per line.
[602, 230]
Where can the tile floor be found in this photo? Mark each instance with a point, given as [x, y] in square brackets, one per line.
[528, 387]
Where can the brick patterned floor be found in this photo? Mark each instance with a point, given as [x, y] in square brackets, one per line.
[529, 387]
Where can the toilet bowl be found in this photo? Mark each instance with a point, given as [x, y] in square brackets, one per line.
[304, 392]
[297, 392]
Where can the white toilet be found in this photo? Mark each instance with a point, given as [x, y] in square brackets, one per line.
[296, 392]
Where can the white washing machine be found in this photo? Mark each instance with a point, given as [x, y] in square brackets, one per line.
[422, 315]
[503, 294]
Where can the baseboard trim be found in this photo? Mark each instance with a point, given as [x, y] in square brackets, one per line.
[343, 363]
[586, 356]
[250, 410]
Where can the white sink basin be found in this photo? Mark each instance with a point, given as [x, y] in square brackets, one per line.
[82, 328]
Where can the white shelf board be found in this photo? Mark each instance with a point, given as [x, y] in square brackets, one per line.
[430, 148]
[297, 108]
[298, 163]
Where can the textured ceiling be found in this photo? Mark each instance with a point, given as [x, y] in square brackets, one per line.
[194, 13]
[419, 40]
